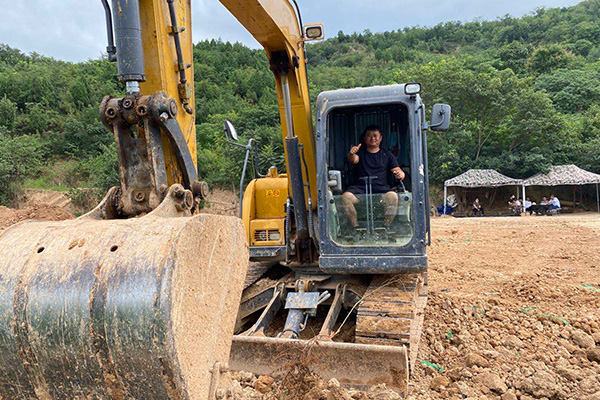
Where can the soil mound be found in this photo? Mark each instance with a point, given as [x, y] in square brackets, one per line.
[42, 212]
[299, 383]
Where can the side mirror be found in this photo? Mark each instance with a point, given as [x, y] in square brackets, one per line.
[440, 117]
[314, 32]
[230, 131]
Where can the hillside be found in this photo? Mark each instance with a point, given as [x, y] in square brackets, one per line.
[525, 94]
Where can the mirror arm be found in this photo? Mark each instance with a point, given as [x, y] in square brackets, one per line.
[236, 144]
[426, 126]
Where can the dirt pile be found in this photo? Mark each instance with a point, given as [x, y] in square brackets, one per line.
[513, 310]
[42, 212]
[299, 383]
[222, 202]
[497, 348]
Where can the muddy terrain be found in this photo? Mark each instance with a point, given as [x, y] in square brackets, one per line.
[512, 313]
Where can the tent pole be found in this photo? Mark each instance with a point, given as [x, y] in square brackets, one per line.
[446, 195]
[597, 198]
[523, 205]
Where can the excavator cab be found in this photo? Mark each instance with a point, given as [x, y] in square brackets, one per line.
[400, 245]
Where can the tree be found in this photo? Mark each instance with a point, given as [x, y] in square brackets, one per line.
[547, 58]
[8, 113]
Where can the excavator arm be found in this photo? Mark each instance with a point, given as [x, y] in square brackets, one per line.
[135, 299]
[276, 26]
[153, 124]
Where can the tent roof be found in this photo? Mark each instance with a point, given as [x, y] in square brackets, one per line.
[482, 178]
[563, 175]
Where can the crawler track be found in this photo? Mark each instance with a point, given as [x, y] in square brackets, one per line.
[391, 312]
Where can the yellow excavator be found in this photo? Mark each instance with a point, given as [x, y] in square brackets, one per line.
[347, 301]
[137, 299]
[129, 301]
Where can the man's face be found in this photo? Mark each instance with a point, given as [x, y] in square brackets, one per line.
[373, 138]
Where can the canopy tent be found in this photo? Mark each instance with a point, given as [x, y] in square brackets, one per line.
[480, 178]
[560, 175]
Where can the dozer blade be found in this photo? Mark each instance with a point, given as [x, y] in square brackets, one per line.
[356, 365]
[118, 309]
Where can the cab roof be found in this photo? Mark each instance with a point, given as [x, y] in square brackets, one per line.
[373, 94]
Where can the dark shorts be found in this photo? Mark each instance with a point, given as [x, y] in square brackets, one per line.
[360, 189]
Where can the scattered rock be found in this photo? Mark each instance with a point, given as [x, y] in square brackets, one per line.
[595, 396]
[509, 396]
[264, 384]
[582, 339]
[512, 341]
[593, 354]
[473, 359]
[568, 373]
[491, 381]
[589, 385]
[439, 382]
[381, 392]
[540, 384]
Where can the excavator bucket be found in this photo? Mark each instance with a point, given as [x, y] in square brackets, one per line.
[352, 364]
[142, 308]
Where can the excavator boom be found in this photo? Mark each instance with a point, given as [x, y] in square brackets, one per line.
[129, 301]
[343, 296]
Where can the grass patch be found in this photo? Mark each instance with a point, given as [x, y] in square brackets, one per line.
[43, 183]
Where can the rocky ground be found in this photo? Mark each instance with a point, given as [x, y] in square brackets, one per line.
[513, 310]
[513, 313]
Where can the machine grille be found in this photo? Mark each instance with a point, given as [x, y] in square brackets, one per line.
[267, 235]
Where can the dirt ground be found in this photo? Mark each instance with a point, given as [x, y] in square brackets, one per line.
[42, 212]
[513, 309]
[513, 313]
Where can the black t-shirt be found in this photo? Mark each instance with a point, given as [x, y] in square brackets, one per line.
[375, 164]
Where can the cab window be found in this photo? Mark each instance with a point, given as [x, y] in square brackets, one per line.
[372, 215]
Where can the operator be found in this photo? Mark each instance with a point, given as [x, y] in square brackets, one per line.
[372, 160]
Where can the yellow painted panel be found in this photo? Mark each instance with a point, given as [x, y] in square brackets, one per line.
[160, 59]
[270, 195]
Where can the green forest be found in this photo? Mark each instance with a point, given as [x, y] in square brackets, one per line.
[525, 94]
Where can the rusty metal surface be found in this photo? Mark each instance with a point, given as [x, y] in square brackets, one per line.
[86, 306]
[391, 312]
[139, 124]
[352, 364]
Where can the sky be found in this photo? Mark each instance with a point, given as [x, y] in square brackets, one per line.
[74, 30]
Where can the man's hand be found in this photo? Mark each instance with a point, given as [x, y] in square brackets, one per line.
[398, 173]
[352, 157]
[354, 150]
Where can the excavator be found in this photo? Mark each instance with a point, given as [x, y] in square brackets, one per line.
[347, 302]
[137, 299]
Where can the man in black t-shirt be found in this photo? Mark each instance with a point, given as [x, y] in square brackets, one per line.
[372, 160]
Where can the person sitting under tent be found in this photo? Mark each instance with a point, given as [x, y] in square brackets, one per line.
[451, 204]
[529, 206]
[554, 205]
[543, 207]
[477, 207]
